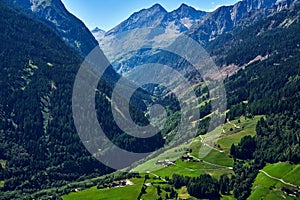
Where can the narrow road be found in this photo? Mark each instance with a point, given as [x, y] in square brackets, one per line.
[216, 165]
[277, 179]
[205, 144]
[158, 177]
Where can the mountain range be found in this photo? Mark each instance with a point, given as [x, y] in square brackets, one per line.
[156, 16]
[202, 26]
[255, 43]
[241, 14]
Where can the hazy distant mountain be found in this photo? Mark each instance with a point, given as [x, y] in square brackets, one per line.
[157, 17]
[55, 15]
[150, 17]
[98, 33]
[201, 26]
[156, 20]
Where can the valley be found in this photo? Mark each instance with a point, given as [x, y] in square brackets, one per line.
[254, 153]
[216, 163]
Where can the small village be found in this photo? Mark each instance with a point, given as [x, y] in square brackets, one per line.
[116, 184]
[165, 163]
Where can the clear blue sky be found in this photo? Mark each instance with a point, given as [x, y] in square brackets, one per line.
[106, 14]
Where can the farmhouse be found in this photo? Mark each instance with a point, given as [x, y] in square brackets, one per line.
[115, 184]
[165, 163]
[291, 192]
[187, 158]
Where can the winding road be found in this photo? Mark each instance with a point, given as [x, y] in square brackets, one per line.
[216, 165]
[277, 179]
[205, 144]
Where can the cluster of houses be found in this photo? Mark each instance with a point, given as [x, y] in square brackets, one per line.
[291, 192]
[165, 163]
[116, 184]
[187, 158]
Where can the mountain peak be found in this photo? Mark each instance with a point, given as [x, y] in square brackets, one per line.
[157, 7]
[98, 33]
[97, 29]
[183, 6]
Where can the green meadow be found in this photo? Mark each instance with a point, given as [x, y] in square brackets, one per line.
[120, 193]
[265, 187]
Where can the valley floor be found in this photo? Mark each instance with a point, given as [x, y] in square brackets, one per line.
[217, 162]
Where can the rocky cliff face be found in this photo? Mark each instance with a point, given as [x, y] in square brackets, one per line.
[151, 17]
[56, 16]
[157, 17]
[243, 13]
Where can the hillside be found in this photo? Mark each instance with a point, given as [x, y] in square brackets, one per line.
[37, 72]
[276, 181]
[54, 14]
[39, 143]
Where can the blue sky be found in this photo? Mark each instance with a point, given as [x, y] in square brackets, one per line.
[106, 14]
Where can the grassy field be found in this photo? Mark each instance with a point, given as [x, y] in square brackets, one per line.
[151, 193]
[233, 134]
[3, 163]
[219, 158]
[121, 193]
[1, 184]
[226, 197]
[214, 138]
[288, 172]
[183, 194]
[210, 150]
[265, 187]
[171, 154]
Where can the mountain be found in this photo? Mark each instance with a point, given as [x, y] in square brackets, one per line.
[241, 14]
[152, 24]
[38, 140]
[157, 17]
[39, 143]
[55, 15]
[42, 157]
[203, 27]
[98, 33]
[151, 17]
[187, 15]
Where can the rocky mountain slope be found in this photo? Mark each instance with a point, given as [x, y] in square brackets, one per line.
[55, 15]
[153, 24]
[156, 16]
[39, 143]
[201, 26]
[98, 33]
[241, 14]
